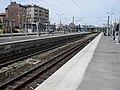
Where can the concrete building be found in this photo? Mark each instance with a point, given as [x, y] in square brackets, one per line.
[88, 28]
[16, 13]
[27, 16]
[37, 15]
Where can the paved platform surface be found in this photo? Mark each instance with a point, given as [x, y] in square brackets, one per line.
[69, 76]
[96, 67]
[7, 40]
[19, 38]
[103, 72]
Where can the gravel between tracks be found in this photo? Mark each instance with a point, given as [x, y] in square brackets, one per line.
[20, 67]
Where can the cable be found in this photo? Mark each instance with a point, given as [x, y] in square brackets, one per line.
[114, 5]
[65, 5]
[83, 10]
[86, 7]
[56, 7]
[79, 7]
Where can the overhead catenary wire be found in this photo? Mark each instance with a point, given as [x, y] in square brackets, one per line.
[83, 11]
[59, 9]
[88, 10]
[63, 4]
[56, 8]
[68, 8]
[53, 7]
[114, 5]
[63, 11]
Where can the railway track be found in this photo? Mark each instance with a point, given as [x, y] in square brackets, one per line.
[16, 56]
[23, 80]
[25, 56]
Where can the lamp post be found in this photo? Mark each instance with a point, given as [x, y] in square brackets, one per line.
[37, 23]
[11, 20]
[25, 29]
[107, 33]
[111, 28]
[46, 24]
[60, 19]
[23, 23]
[119, 31]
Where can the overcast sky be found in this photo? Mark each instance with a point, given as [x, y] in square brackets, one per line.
[93, 12]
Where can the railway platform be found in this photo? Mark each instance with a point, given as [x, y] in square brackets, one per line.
[96, 67]
[15, 39]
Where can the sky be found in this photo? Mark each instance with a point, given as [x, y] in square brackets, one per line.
[85, 12]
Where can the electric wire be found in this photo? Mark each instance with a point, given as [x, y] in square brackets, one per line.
[88, 10]
[114, 5]
[83, 10]
[56, 7]
[69, 8]
[53, 7]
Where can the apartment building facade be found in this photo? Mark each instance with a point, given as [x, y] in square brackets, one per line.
[21, 15]
[16, 13]
[37, 15]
